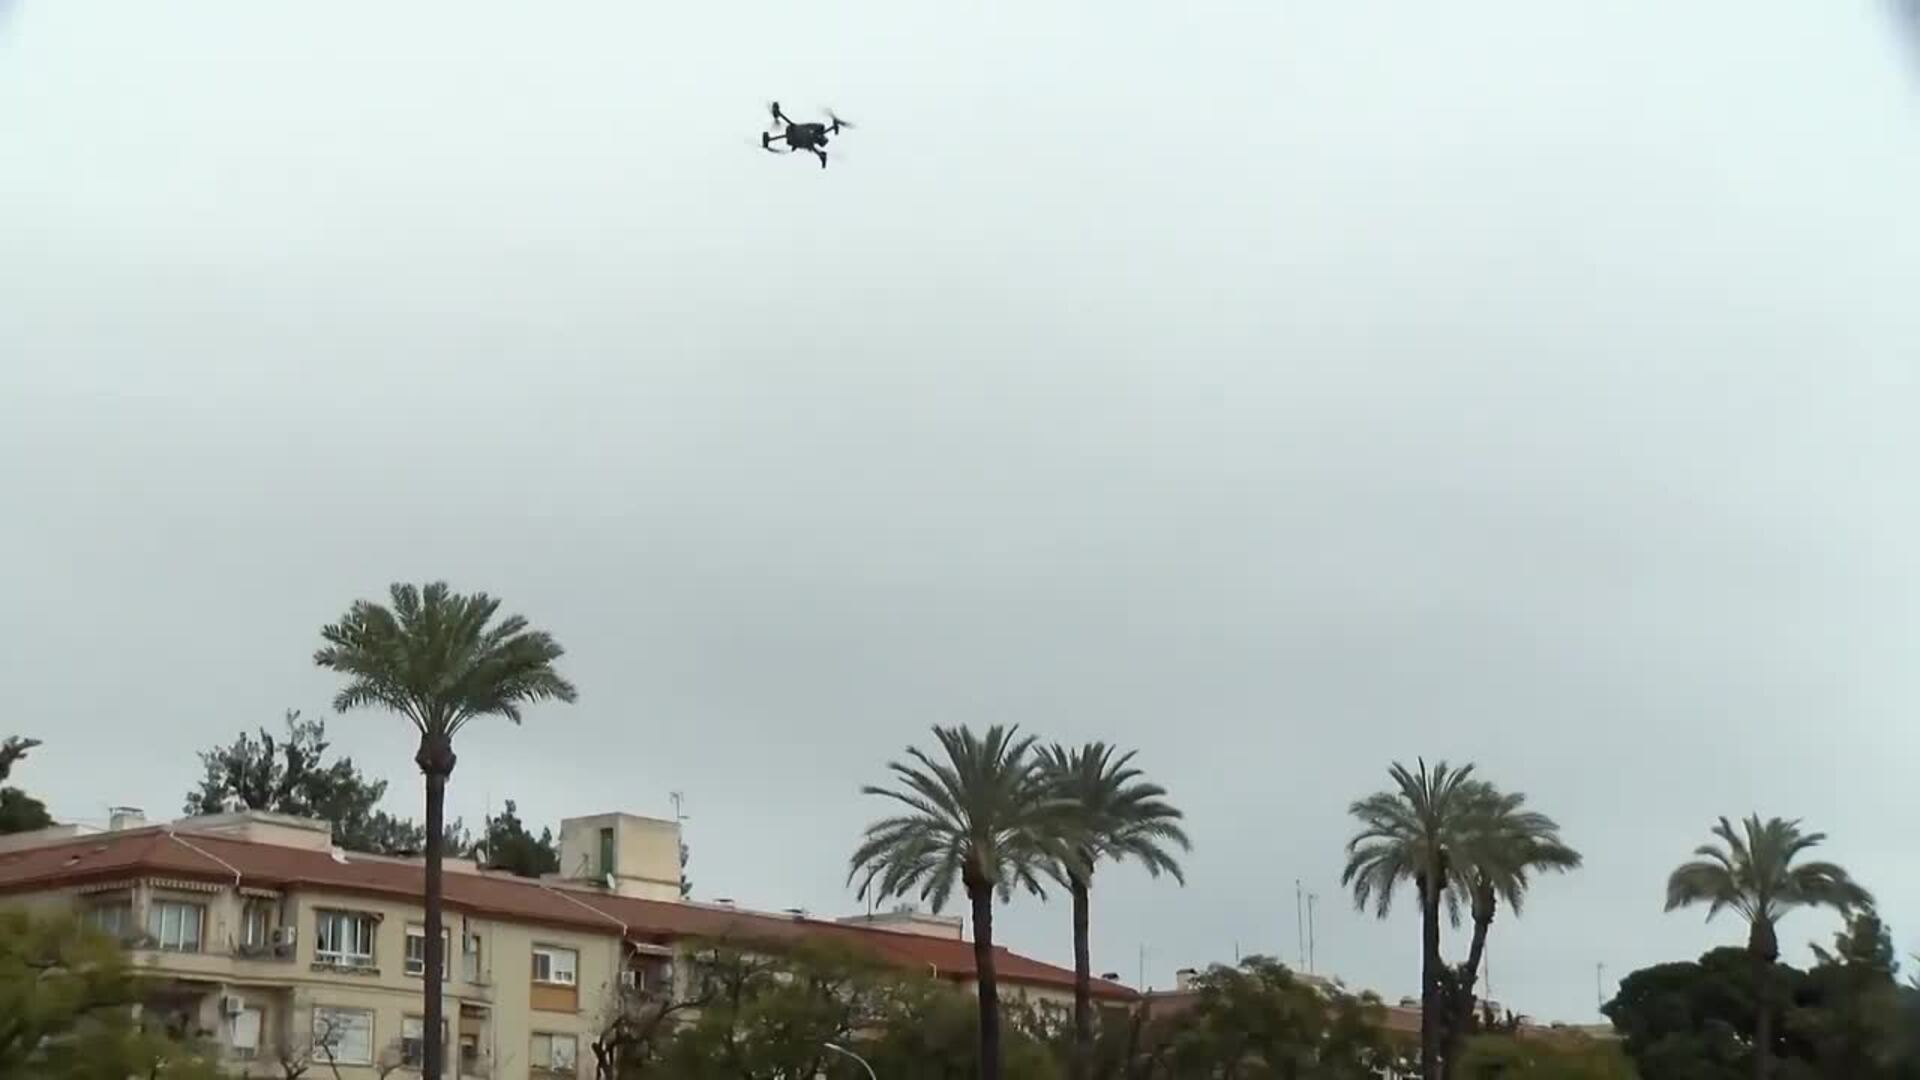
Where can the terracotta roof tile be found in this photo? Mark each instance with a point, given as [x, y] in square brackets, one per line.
[155, 850]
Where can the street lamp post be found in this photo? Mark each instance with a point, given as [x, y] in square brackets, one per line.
[844, 1052]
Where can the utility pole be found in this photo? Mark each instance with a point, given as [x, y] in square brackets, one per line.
[1599, 995]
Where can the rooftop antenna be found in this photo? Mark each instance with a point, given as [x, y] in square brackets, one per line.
[1299, 925]
[1143, 966]
[1312, 899]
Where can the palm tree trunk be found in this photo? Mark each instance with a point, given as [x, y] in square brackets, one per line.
[1762, 1021]
[981, 895]
[1430, 1004]
[1082, 983]
[1462, 1004]
[436, 761]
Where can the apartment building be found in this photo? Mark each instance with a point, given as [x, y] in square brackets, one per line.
[259, 934]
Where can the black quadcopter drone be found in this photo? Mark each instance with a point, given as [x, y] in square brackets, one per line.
[808, 137]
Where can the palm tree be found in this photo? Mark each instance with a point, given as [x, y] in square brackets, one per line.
[1508, 846]
[1414, 833]
[1752, 871]
[1116, 816]
[983, 815]
[439, 659]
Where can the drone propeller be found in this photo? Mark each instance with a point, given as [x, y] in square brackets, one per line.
[836, 122]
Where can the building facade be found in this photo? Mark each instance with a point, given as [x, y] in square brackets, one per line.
[261, 936]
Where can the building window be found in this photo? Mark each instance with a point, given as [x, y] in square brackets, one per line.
[469, 1054]
[556, 967]
[257, 921]
[554, 1054]
[113, 918]
[174, 925]
[470, 958]
[245, 1039]
[343, 1036]
[606, 851]
[416, 963]
[413, 1043]
[344, 938]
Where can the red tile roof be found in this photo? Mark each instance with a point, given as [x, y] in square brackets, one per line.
[218, 858]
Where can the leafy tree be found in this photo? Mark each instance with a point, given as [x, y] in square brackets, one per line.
[982, 815]
[66, 997]
[1690, 1020]
[1508, 845]
[1115, 815]
[507, 845]
[1557, 1057]
[1414, 833]
[440, 659]
[1258, 1019]
[291, 774]
[1851, 1013]
[19, 811]
[1754, 872]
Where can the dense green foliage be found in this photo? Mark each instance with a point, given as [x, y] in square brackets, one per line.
[19, 811]
[66, 998]
[292, 774]
[507, 845]
[1567, 1056]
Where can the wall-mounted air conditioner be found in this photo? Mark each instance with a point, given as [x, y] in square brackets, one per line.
[232, 1004]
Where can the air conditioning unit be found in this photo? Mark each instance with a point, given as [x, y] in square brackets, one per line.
[284, 937]
[629, 980]
[232, 1004]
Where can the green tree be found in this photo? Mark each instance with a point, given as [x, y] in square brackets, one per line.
[1414, 833]
[440, 659]
[1509, 845]
[1850, 1012]
[982, 816]
[1115, 816]
[19, 811]
[1690, 1020]
[1561, 1057]
[1258, 1019]
[507, 845]
[291, 774]
[1754, 871]
[66, 998]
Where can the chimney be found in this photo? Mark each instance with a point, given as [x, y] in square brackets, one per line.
[121, 818]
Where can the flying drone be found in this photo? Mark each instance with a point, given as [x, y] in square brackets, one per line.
[811, 137]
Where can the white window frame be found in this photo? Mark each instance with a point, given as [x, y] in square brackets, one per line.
[343, 1020]
[418, 968]
[121, 926]
[552, 1039]
[562, 964]
[417, 1025]
[174, 937]
[471, 967]
[345, 948]
[258, 920]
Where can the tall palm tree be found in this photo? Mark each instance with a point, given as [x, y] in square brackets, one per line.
[440, 659]
[981, 814]
[1117, 816]
[1752, 871]
[1413, 833]
[1509, 844]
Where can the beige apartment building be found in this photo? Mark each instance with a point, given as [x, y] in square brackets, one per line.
[261, 936]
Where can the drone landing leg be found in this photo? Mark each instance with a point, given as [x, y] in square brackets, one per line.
[822, 155]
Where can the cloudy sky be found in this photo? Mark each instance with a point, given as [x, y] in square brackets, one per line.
[1280, 389]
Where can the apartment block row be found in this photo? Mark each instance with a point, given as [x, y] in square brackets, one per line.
[262, 937]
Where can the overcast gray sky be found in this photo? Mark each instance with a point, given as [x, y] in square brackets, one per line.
[1278, 388]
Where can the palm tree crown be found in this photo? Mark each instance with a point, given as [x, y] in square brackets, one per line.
[1507, 845]
[1414, 833]
[1115, 815]
[1752, 871]
[434, 658]
[983, 815]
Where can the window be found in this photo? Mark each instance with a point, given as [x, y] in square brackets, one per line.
[257, 921]
[344, 938]
[343, 1035]
[606, 851]
[245, 1038]
[113, 918]
[554, 1053]
[557, 967]
[470, 959]
[174, 925]
[416, 962]
[469, 1054]
[413, 1043]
